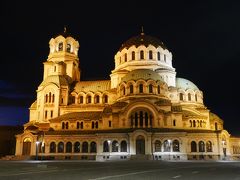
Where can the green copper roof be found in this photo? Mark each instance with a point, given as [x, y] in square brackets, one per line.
[185, 84]
[144, 74]
[94, 86]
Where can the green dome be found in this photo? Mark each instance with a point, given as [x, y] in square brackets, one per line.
[144, 74]
[185, 84]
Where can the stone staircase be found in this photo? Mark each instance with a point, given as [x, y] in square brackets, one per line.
[141, 157]
[15, 158]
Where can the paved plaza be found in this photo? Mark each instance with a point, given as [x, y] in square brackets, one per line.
[58, 170]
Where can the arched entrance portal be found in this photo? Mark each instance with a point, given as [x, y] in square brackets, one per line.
[140, 145]
[26, 146]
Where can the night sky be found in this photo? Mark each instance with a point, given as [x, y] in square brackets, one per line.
[202, 36]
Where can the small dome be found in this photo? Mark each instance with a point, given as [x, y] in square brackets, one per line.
[142, 39]
[185, 84]
[144, 74]
[64, 33]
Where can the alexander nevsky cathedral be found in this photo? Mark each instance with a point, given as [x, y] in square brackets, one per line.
[144, 111]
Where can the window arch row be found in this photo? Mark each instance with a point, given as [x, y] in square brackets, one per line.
[91, 98]
[115, 146]
[73, 147]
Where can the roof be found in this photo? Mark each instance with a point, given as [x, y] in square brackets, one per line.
[93, 86]
[213, 117]
[59, 80]
[142, 39]
[144, 74]
[127, 130]
[78, 116]
[185, 84]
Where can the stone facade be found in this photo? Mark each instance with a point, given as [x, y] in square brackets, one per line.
[143, 111]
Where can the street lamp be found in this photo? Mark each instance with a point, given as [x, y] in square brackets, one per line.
[109, 142]
[37, 143]
[169, 148]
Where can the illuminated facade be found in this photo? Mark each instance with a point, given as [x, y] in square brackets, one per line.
[143, 111]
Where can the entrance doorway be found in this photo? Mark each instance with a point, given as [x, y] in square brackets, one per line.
[140, 145]
[26, 146]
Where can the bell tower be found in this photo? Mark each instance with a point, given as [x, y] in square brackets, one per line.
[63, 57]
[61, 69]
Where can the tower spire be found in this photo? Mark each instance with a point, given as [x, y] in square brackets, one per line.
[142, 31]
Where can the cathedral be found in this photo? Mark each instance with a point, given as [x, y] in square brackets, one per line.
[144, 111]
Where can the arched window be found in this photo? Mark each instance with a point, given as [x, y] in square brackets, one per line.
[105, 146]
[136, 119]
[140, 88]
[93, 147]
[196, 97]
[167, 146]
[174, 122]
[124, 91]
[123, 146]
[194, 123]
[158, 89]
[45, 114]
[63, 125]
[216, 126]
[114, 146]
[52, 147]
[141, 54]
[209, 146]
[158, 146]
[68, 47]
[53, 98]
[193, 146]
[158, 56]
[97, 99]
[78, 125]
[89, 99]
[201, 123]
[60, 46]
[46, 98]
[133, 55]
[68, 147]
[190, 123]
[81, 100]
[181, 96]
[189, 97]
[150, 88]
[85, 147]
[105, 98]
[96, 124]
[141, 118]
[150, 55]
[165, 57]
[125, 57]
[201, 146]
[176, 146]
[81, 125]
[77, 147]
[66, 125]
[60, 147]
[131, 89]
[92, 125]
[146, 119]
[50, 97]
